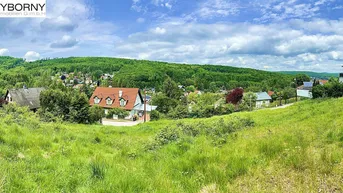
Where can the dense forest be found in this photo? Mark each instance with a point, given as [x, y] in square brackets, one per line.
[320, 75]
[16, 72]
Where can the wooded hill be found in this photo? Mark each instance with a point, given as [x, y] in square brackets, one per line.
[15, 72]
[320, 75]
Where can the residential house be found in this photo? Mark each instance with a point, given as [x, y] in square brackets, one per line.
[305, 90]
[323, 82]
[107, 76]
[271, 93]
[89, 81]
[24, 97]
[263, 99]
[147, 98]
[129, 99]
[223, 91]
[78, 86]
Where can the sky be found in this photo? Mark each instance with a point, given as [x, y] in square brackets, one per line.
[273, 35]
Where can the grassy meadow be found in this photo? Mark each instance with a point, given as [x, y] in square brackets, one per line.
[296, 149]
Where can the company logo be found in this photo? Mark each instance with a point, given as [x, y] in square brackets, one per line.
[22, 8]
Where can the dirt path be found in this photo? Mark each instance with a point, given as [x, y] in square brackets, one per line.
[120, 123]
[282, 107]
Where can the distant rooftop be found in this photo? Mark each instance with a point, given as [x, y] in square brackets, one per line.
[308, 84]
[262, 96]
[26, 96]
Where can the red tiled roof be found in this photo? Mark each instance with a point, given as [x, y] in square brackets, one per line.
[323, 81]
[270, 93]
[129, 94]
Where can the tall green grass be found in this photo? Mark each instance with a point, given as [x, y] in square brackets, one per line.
[296, 149]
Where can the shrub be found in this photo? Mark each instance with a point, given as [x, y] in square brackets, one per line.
[180, 112]
[96, 113]
[155, 115]
[79, 109]
[167, 135]
[121, 113]
[218, 131]
[13, 114]
[224, 109]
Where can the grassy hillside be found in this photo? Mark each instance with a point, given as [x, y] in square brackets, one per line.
[137, 73]
[321, 75]
[296, 149]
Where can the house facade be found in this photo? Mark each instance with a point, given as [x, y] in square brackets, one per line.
[24, 97]
[129, 99]
[263, 99]
[305, 90]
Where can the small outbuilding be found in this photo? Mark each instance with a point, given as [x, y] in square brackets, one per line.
[263, 99]
[305, 90]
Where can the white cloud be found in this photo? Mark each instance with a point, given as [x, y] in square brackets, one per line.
[136, 6]
[140, 20]
[338, 7]
[279, 46]
[71, 18]
[59, 23]
[168, 5]
[278, 10]
[144, 6]
[32, 56]
[308, 57]
[159, 30]
[163, 3]
[335, 55]
[320, 2]
[4, 52]
[217, 8]
[65, 42]
[284, 38]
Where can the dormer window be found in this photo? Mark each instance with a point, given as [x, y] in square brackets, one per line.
[109, 101]
[96, 100]
[122, 102]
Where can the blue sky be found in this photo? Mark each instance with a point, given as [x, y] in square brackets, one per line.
[263, 34]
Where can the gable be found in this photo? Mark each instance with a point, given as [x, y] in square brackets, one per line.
[116, 95]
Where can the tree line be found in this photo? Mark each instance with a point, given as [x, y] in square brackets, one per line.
[139, 74]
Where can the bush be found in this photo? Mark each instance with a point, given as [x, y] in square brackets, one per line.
[121, 113]
[224, 109]
[180, 112]
[218, 131]
[96, 113]
[13, 114]
[155, 115]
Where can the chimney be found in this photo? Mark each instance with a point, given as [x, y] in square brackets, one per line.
[120, 93]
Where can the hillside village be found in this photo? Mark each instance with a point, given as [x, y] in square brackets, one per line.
[200, 135]
[145, 104]
[171, 96]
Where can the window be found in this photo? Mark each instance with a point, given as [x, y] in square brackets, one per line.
[96, 100]
[122, 102]
[109, 101]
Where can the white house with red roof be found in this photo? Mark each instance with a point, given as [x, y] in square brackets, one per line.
[129, 99]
